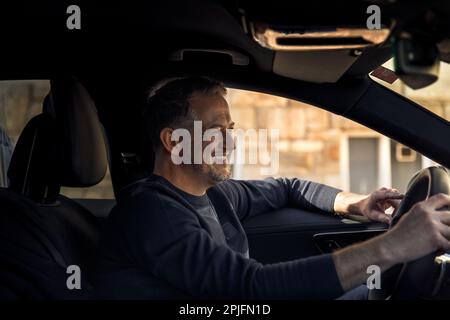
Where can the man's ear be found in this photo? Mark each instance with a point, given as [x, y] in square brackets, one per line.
[166, 139]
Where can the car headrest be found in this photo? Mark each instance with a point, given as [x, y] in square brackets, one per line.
[63, 146]
[82, 138]
[33, 170]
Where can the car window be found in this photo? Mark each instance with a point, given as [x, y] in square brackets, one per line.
[315, 144]
[21, 100]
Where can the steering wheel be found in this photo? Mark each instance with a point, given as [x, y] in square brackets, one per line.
[413, 279]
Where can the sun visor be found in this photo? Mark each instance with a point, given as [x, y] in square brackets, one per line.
[313, 66]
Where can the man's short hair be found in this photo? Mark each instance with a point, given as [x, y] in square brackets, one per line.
[168, 104]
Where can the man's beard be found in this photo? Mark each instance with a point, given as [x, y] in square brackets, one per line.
[214, 173]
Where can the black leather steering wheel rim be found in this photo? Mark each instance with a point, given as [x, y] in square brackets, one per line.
[414, 279]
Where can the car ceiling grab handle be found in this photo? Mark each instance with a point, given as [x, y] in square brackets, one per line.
[237, 58]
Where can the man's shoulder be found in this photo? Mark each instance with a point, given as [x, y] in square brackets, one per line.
[147, 188]
[237, 186]
[151, 197]
[226, 185]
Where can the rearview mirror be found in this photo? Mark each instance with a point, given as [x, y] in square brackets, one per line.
[416, 60]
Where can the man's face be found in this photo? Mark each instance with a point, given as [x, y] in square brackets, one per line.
[214, 114]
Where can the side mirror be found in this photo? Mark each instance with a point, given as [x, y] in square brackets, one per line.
[416, 60]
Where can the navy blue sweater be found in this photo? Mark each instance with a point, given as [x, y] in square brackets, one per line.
[162, 243]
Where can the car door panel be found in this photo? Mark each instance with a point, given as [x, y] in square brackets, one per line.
[292, 233]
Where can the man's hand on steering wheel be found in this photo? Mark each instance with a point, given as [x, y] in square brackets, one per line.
[372, 206]
[427, 224]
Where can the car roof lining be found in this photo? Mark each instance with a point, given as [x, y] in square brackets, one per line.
[194, 23]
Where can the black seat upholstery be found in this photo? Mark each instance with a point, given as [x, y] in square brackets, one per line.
[43, 232]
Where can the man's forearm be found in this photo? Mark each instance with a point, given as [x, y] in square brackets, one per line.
[346, 203]
[351, 263]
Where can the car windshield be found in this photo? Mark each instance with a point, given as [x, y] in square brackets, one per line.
[435, 98]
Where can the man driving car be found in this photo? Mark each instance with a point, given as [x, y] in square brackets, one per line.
[178, 233]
